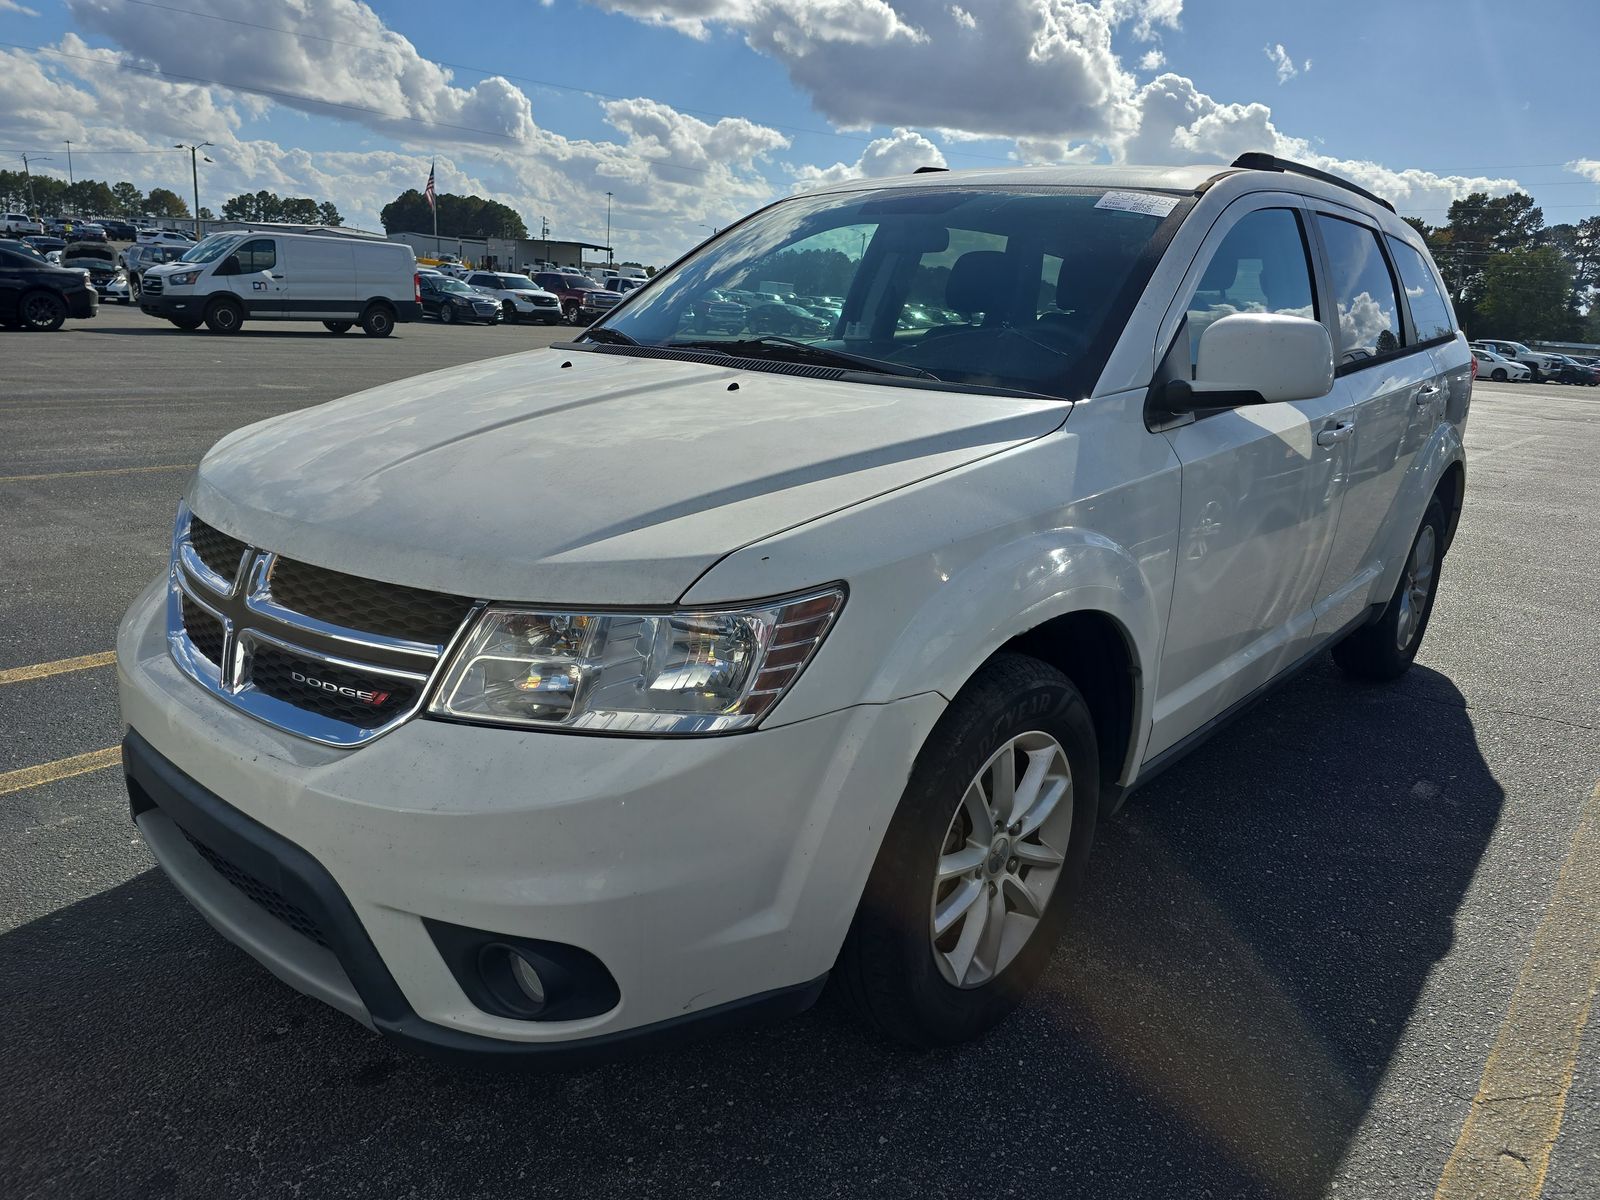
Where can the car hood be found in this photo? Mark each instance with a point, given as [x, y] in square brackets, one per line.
[576, 477]
[531, 294]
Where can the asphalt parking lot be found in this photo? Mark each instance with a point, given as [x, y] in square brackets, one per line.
[1353, 921]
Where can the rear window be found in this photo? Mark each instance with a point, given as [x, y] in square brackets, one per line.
[1430, 312]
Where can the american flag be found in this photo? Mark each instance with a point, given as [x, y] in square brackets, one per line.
[428, 192]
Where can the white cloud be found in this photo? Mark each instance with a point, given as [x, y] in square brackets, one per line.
[962, 17]
[1283, 63]
[900, 153]
[1589, 168]
[1152, 60]
[13, 7]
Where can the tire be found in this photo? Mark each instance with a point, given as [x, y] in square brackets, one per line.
[894, 970]
[1386, 649]
[447, 314]
[1498, 374]
[377, 321]
[42, 312]
[569, 311]
[224, 316]
[338, 326]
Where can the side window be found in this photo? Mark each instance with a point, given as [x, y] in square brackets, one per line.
[1369, 310]
[1429, 311]
[481, 281]
[258, 254]
[1261, 267]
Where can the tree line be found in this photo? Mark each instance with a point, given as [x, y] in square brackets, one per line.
[459, 216]
[47, 196]
[1511, 275]
[269, 206]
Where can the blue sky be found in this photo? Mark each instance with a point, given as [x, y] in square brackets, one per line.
[693, 111]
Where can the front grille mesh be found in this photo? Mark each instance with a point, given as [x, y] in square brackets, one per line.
[216, 549]
[387, 609]
[264, 895]
[204, 630]
[273, 671]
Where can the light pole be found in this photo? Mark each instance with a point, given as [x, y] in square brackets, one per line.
[713, 228]
[29, 178]
[194, 176]
[610, 257]
[70, 180]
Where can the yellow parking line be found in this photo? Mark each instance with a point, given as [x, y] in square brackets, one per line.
[1504, 1148]
[60, 667]
[105, 471]
[62, 768]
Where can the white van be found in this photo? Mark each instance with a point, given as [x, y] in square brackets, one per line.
[286, 277]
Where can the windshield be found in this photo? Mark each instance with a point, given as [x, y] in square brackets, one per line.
[211, 248]
[1008, 288]
[454, 285]
[518, 283]
[579, 283]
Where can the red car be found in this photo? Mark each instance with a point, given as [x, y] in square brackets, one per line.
[582, 299]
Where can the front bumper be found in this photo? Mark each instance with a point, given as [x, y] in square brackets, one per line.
[713, 877]
[167, 305]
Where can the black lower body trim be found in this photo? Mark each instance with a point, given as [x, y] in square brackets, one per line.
[268, 860]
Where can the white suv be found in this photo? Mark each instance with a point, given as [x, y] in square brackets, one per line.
[642, 684]
[521, 299]
[162, 237]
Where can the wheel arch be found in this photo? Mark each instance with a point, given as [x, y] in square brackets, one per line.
[1452, 493]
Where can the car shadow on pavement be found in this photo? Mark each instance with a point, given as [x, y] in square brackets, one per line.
[1257, 930]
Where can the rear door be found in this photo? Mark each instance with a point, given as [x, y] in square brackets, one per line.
[1261, 487]
[1388, 387]
[259, 283]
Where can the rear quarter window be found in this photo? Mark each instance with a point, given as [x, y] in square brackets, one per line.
[1363, 289]
[1430, 312]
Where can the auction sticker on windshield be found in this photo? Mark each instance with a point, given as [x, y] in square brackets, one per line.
[1139, 202]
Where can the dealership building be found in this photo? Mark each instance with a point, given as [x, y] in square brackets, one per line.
[505, 253]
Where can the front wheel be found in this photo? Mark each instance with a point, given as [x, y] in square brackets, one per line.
[447, 314]
[187, 324]
[1386, 649]
[979, 866]
[224, 316]
[1498, 375]
[569, 311]
[377, 321]
[337, 326]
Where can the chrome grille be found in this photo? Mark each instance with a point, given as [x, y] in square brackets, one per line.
[332, 657]
[150, 285]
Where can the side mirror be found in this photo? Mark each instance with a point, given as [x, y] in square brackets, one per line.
[229, 266]
[1257, 358]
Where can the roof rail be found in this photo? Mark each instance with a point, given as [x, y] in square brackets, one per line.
[925, 170]
[1257, 161]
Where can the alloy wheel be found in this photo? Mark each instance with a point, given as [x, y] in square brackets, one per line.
[1001, 859]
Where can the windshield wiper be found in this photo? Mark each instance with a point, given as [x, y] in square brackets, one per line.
[611, 337]
[794, 350]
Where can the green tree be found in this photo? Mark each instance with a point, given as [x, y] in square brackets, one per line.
[1527, 295]
[327, 214]
[90, 197]
[1579, 244]
[459, 216]
[164, 203]
[128, 199]
[269, 206]
[1479, 227]
[205, 214]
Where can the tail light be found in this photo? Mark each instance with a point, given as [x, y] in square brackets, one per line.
[416, 286]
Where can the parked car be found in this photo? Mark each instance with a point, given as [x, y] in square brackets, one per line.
[1498, 367]
[520, 298]
[13, 224]
[713, 310]
[141, 256]
[20, 246]
[1566, 369]
[687, 673]
[47, 245]
[582, 300]
[116, 230]
[100, 261]
[451, 300]
[777, 316]
[41, 296]
[622, 284]
[166, 237]
[231, 277]
[1540, 365]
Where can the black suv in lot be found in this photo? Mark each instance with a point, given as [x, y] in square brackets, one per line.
[37, 295]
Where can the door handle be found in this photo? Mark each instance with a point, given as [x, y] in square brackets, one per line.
[1334, 434]
[1427, 392]
[280, 277]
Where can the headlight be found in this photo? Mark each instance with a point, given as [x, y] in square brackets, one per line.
[690, 672]
[121, 276]
[183, 278]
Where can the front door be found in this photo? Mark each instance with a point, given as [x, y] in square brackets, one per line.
[260, 281]
[1261, 490]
